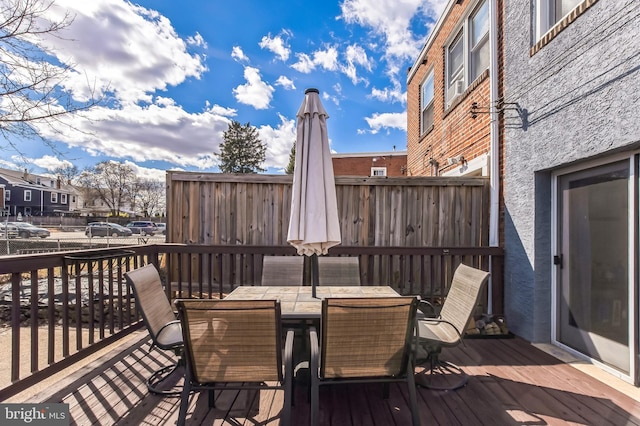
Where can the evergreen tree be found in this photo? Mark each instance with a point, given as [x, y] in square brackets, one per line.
[242, 151]
[292, 160]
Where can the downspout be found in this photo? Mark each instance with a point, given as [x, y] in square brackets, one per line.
[494, 166]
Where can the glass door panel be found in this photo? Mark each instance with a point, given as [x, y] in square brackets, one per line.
[593, 291]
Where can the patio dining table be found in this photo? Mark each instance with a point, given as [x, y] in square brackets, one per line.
[297, 302]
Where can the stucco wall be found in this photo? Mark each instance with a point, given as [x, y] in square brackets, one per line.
[580, 98]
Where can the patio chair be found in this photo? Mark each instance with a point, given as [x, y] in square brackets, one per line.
[161, 322]
[364, 340]
[235, 344]
[342, 271]
[447, 330]
[282, 270]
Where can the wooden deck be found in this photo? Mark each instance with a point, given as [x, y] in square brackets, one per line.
[512, 383]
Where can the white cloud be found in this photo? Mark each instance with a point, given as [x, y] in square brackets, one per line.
[279, 141]
[49, 162]
[392, 21]
[197, 40]
[285, 82]
[356, 55]
[238, 54]
[161, 132]
[148, 173]
[277, 45]
[120, 49]
[386, 120]
[323, 58]
[255, 92]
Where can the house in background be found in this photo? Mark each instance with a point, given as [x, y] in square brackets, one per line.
[571, 188]
[392, 164]
[451, 88]
[27, 194]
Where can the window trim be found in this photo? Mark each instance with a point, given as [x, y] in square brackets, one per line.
[378, 169]
[424, 128]
[63, 198]
[54, 197]
[27, 195]
[462, 32]
[7, 194]
[542, 39]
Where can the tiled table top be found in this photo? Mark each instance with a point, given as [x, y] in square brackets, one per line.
[298, 303]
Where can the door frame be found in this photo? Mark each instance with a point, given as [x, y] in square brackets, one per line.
[633, 259]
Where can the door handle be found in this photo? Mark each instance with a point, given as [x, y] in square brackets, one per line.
[557, 260]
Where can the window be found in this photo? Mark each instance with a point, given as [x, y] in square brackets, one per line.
[378, 171]
[479, 41]
[54, 197]
[27, 195]
[7, 195]
[426, 103]
[73, 199]
[27, 211]
[467, 54]
[63, 198]
[550, 12]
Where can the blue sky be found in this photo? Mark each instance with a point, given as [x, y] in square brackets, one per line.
[172, 74]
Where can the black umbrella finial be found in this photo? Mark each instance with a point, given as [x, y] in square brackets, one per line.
[311, 90]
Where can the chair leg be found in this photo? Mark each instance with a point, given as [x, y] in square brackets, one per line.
[315, 381]
[413, 399]
[184, 403]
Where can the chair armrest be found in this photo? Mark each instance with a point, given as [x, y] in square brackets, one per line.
[427, 308]
[288, 355]
[438, 321]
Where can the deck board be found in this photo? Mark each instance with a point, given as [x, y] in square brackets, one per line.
[511, 382]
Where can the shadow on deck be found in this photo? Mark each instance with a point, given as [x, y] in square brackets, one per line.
[512, 383]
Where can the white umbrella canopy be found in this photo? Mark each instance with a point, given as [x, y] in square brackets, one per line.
[313, 224]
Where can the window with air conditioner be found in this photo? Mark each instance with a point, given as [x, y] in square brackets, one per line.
[27, 195]
[550, 12]
[426, 103]
[467, 53]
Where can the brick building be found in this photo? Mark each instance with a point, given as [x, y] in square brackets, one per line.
[393, 163]
[449, 95]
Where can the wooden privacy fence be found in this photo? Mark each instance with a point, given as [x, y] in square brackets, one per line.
[220, 209]
[213, 209]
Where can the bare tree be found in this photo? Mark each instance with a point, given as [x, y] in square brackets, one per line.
[67, 174]
[109, 182]
[31, 83]
[149, 196]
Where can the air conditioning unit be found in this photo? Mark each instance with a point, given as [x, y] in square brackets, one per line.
[456, 90]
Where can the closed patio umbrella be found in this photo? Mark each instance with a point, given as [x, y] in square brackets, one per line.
[313, 225]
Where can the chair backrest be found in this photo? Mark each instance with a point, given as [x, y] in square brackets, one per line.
[338, 271]
[463, 295]
[151, 299]
[232, 340]
[366, 337]
[282, 270]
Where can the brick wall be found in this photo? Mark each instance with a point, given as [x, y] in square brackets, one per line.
[454, 133]
[353, 165]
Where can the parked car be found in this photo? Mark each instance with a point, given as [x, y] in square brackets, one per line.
[162, 227]
[143, 227]
[8, 231]
[103, 229]
[27, 230]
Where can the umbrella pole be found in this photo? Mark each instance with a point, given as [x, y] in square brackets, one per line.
[314, 274]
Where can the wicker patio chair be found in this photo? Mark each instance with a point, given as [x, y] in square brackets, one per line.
[341, 271]
[235, 345]
[161, 322]
[364, 340]
[282, 270]
[447, 330]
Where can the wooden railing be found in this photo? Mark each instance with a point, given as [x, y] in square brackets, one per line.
[61, 307]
